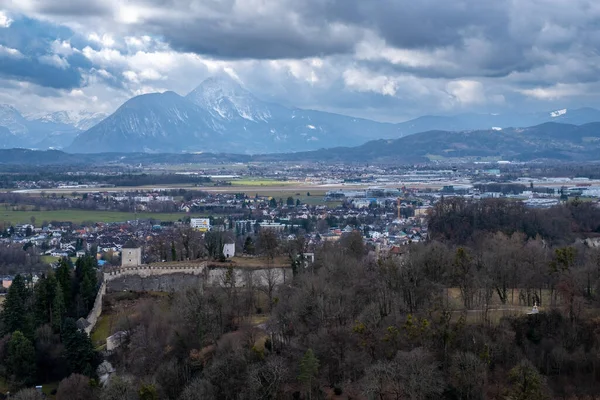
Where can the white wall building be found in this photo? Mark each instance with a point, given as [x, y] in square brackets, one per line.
[229, 250]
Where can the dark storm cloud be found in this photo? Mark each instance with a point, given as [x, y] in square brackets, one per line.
[39, 73]
[33, 39]
[73, 8]
[248, 29]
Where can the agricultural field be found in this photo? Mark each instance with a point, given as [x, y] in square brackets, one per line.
[51, 259]
[261, 182]
[78, 216]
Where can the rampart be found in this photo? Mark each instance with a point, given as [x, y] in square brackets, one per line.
[161, 277]
[171, 277]
[248, 277]
[94, 314]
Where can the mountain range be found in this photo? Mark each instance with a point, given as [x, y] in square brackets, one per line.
[43, 131]
[221, 116]
[550, 141]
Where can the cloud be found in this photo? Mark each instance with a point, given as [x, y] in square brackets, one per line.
[387, 59]
[5, 21]
[559, 91]
[55, 60]
[9, 52]
[466, 92]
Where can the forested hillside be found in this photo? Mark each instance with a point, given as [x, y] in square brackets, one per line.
[501, 302]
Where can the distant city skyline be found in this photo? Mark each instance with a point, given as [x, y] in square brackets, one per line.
[387, 61]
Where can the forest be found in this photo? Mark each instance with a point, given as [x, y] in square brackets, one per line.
[449, 318]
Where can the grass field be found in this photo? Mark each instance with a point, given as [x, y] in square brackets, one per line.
[101, 330]
[79, 216]
[253, 262]
[51, 259]
[260, 182]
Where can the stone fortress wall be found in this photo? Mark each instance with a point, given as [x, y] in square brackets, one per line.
[177, 276]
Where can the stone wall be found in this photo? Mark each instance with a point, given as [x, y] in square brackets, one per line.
[93, 316]
[170, 282]
[243, 277]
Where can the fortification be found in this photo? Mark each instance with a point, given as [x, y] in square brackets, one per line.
[161, 277]
[131, 257]
[93, 316]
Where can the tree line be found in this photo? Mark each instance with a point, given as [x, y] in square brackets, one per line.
[41, 341]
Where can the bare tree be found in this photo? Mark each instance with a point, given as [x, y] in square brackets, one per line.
[468, 375]
[28, 394]
[76, 387]
[269, 278]
[268, 243]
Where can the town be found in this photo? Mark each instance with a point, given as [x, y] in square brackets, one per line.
[238, 246]
[386, 206]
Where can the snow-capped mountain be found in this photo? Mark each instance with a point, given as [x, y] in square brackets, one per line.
[56, 130]
[151, 122]
[12, 119]
[226, 99]
[82, 120]
[221, 116]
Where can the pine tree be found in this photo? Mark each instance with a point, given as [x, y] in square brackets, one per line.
[45, 291]
[309, 367]
[64, 278]
[58, 308]
[86, 283]
[20, 359]
[79, 351]
[14, 314]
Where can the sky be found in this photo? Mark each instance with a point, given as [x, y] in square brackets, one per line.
[388, 60]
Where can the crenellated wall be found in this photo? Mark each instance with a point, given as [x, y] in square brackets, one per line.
[156, 277]
[245, 277]
[171, 277]
[94, 314]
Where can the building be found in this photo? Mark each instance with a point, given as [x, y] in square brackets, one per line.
[7, 282]
[272, 225]
[202, 224]
[229, 250]
[131, 256]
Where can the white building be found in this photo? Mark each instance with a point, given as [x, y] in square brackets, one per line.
[229, 250]
[131, 257]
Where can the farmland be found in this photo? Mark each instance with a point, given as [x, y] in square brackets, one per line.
[79, 216]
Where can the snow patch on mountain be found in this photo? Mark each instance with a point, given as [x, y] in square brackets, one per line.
[12, 119]
[558, 113]
[224, 98]
[82, 120]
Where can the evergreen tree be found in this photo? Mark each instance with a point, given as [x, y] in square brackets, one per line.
[64, 278]
[20, 359]
[14, 314]
[173, 252]
[249, 246]
[45, 291]
[309, 367]
[86, 283]
[79, 351]
[58, 308]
